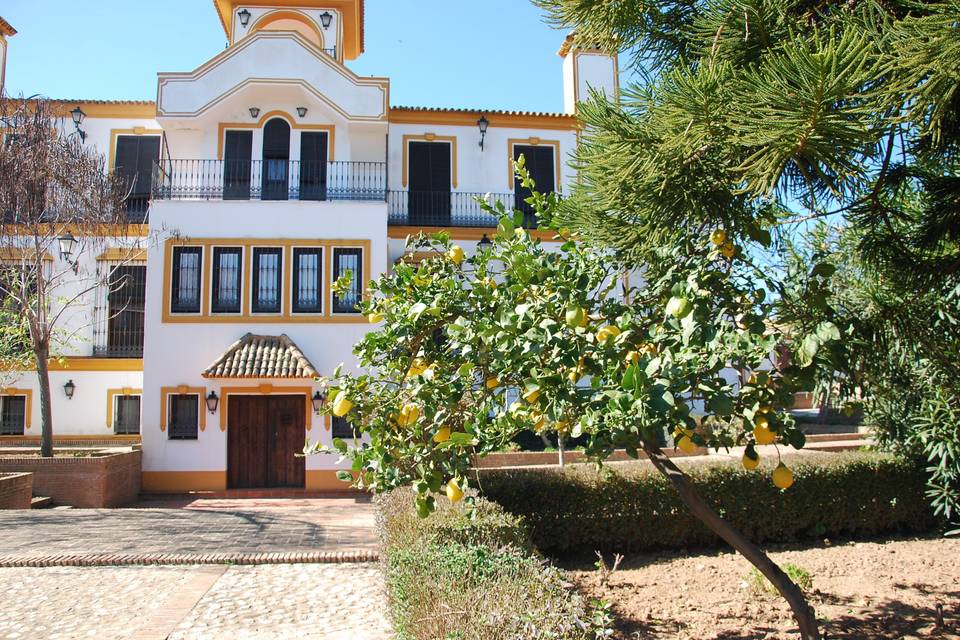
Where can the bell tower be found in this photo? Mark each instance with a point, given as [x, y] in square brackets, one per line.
[587, 69]
[6, 31]
[336, 26]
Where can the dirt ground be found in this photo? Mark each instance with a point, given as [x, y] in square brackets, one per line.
[864, 590]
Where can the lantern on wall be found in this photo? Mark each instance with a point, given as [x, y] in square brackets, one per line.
[318, 400]
[325, 19]
[244, 16]
[212, 402]
[69, 388]
[483, 124]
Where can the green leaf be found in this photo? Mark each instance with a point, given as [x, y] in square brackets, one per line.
[828, 331]
[344, 476]
[824, 270]
[808, 350]
[460, 439]
[416, 311]
[340, 445]
[629, 382]
[721, 405]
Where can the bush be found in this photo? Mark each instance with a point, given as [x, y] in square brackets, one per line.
[632, 507]
[454, 577]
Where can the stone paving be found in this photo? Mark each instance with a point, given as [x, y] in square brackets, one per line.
[192, 527]
[331, 602]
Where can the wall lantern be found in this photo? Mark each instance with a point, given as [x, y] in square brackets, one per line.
[485, 243]
[325, 19]
[69, 388]
[254, 112]
[483, 124]
[67, 244]
[318, 401]
[302, 112]
[244, 16]
[78, 118]
[212, 402]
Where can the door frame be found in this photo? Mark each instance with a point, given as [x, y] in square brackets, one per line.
[278, 392]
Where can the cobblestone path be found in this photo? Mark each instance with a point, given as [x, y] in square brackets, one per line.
[331, 602]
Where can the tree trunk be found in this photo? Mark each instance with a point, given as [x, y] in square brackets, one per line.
[560, 449]
[802, 612]
[46, 415]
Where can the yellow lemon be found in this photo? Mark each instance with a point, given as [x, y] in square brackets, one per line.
[562, 427]
[728, 250]
[455, 254]
[409, 414]
[454, 492]
[532, 396]
[606, 333]
[575, 317]
[374, 318]
[574, 375]
[418, 366]
[632, 357]
[648, 350]
[442, 435]
[718, 237]
[782, 477]
[763, 435]
[490, 282]
[686, 445]
[492, 383]
[539, 422]
[750, 463]
[342, 406]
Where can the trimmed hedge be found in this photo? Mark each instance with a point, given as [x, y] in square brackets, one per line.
[454, 577]
[632, 507]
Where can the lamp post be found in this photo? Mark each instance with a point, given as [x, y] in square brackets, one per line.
[483, 124]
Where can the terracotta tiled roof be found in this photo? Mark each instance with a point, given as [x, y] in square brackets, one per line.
[255, 356]
[500, 112]
[6, 29]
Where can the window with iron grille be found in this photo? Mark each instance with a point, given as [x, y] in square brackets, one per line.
[267, 276]
[184, 412]
[185, 292]
[541, 164]
[13, 415]
[126, 298]
[342, 429]
[348, 260]
[308, 280]
[126, 415]
[227, 276]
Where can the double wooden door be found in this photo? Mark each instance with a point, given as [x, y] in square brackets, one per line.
[264, 436]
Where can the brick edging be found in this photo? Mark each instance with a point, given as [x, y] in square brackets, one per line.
[144, 559]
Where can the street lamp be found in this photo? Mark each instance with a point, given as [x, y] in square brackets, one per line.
[244, 16]
[485, 243]
[483, 124]
[318, 400]
[325, 19]
[78, 118]
[67, 244]
[212, 402]
[69, 388]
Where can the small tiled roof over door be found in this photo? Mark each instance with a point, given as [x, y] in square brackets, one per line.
[255, 356]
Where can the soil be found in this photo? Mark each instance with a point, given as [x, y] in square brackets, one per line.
[888, 589]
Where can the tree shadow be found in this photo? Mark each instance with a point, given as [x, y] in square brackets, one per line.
[893, 618]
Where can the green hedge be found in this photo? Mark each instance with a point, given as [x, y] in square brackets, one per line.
[454, 577]
[632, 507]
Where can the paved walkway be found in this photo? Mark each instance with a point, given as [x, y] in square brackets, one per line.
[192, 529]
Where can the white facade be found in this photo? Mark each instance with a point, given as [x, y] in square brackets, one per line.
[267, 104]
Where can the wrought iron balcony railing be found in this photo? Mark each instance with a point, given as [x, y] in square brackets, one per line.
[269, 180]
[450, 209]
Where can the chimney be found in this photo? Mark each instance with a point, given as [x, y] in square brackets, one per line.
[587, 69]
[6, 31]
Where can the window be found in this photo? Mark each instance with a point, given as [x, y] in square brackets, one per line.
[345, 260]
[126, 415]
[227, 274]
[184, 416]
[13, 415]
[308, 280]
[341, 428]
[430, 178]
[267, 272]
[126, 297]
[135, 157]
[187, 265]
[542, 167]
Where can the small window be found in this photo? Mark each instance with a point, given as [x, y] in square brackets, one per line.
[348, 260]
[308, 280]
[267, 276]
[187, 265]
[13, 415]
[342, 429]
[227, 274]
[184, 416]
[126, 415]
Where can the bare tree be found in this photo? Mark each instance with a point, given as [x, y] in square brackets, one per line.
[56, 199]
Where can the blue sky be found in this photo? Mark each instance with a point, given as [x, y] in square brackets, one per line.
[495, 54]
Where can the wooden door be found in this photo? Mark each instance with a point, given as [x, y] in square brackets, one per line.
[313, 166]
[429, 183]
[264, 436]
[237, 160]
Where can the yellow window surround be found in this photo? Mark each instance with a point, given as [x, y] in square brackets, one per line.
[27, 404]
[135, 131]
[113, 393]
[266, 390]
[533, 141]
[246, 316]
[431, 137]
[123, 254]
[201, 393]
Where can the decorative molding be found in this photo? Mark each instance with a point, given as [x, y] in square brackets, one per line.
[166, 392]
[113, 393]
[96, 364]
[430, 137]
[121, 254]
[266, 389]
[463, 233]
[27, 404]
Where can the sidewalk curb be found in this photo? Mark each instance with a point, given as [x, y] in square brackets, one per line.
[173, 559]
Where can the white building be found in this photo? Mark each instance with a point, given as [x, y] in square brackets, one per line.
[265, 173]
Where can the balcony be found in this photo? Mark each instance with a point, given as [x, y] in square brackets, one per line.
[269, 180]
[449, 209]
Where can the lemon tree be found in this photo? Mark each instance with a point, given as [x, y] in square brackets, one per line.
[472, 351]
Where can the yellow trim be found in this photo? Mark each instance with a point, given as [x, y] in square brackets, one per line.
[460, 118]
[96, 364]
[166, 392]
[288, 14]
[464, 233]
[118, 254]
[112, 393]
[326, 480]
[59, 441]
[99, 231]
[27, 405]
[135, 131]
[10, 254]
[431, 137]
[266, 390]
[183, 481]
[134, 109]
[534, 141]
[246, 317]
[331, 130]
